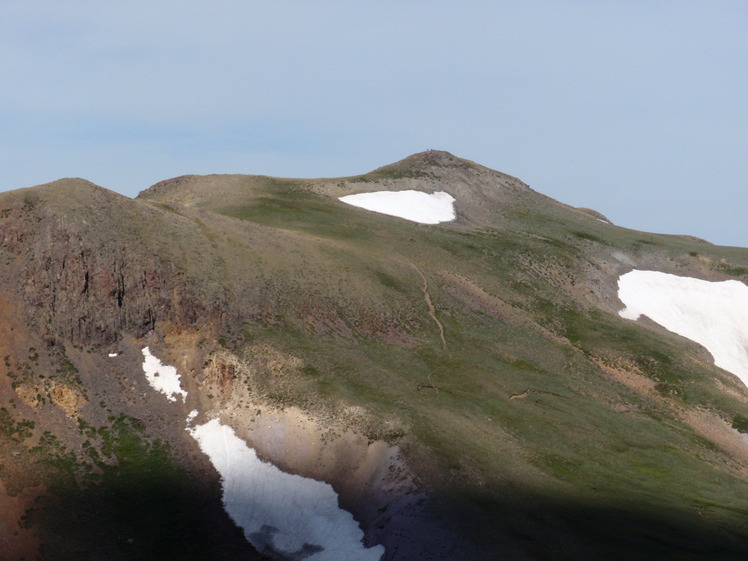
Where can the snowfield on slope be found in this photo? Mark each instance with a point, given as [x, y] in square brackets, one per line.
[283, 515]
[415, 206]
[713, 314]
[161, 377]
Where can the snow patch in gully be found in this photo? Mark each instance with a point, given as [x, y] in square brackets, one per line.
[283, 515]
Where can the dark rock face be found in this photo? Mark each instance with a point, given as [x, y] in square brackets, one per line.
[87, 279]
[102, 297]
[91, 266]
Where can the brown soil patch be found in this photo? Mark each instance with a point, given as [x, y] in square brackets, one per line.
[718, 431]
[66, 399]
[627, 374]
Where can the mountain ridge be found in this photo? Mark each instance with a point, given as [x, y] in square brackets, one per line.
[481, 363]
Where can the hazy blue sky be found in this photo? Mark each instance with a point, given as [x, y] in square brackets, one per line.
[638, 109]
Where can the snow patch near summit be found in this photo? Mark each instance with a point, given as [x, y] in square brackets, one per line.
[713, 314]
[415, 206]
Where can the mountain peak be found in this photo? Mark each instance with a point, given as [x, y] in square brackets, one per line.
[436, 155]
[65, 193]
[469, 388]
[428, 159]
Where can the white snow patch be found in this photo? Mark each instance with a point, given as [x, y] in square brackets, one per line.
[286, 515]
[412, 205]
[162, 377]
[713, 314]
[283, 515]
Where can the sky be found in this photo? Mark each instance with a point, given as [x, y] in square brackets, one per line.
[637, 109]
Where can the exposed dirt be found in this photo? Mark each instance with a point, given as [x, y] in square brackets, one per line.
[715, 429]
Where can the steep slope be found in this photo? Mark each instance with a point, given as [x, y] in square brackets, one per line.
[468, 388]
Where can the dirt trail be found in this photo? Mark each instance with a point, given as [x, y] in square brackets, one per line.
[429, 303]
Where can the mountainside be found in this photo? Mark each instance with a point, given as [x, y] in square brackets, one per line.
[468, 388]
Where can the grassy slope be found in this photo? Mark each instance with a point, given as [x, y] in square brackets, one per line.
[524, 420]
[572, 435]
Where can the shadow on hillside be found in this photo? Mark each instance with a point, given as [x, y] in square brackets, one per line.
[155, 518]
[150, 519]
[531, 527]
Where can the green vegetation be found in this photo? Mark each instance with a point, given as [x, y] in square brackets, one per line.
[16, 431]
[501, 382]
[740, 423]
[29, 203]
[301, 211]
[734, 270]
[538, 388]
[589, 237]
[137, 500]
[66, 373]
